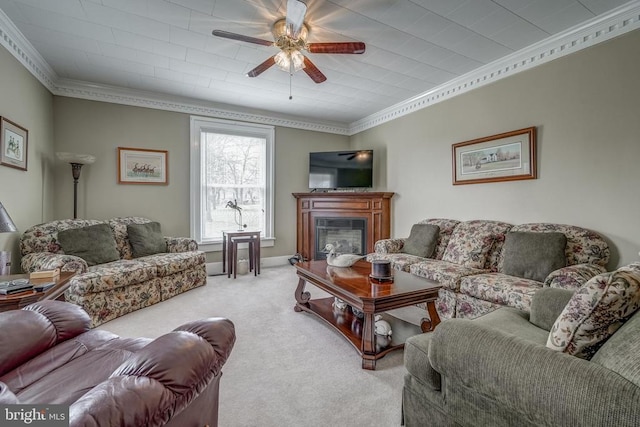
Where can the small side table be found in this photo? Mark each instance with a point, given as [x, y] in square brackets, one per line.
[230, 241]
[22, 299]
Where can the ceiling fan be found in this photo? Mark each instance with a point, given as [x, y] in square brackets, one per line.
[290, 35]
[353, 154]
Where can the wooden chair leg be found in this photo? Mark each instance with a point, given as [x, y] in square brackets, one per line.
[251, 257]
[235, 259]
[258, 255]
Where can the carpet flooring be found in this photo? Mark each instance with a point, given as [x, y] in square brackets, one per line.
[287, 368]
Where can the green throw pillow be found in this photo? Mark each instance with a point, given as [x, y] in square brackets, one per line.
[422, 240]
[95, 244]
[533, 255]
[146, 239]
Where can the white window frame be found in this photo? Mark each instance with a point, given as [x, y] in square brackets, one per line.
[208, 124]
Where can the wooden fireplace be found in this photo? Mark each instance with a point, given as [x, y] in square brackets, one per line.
[371, 208]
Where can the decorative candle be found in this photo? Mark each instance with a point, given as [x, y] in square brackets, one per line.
[380, 268]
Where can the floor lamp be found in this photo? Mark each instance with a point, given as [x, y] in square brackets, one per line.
[6, 226]
[76, 161]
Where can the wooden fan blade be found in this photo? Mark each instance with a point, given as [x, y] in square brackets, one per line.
[346, 47]
[313, 72]
[262, 67]
[240, 37]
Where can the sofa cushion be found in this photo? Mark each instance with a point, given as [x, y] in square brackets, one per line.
[146, 239]
[620, 352]
[546, 306]
[422, 240]
[169, 264]
[583, 246]
[477, 244]
[447, 274]
[113, 275]
[95, 244]
[119, 227]
[447, 226]
[533, 255]
[596, 311]
[471, 252]
[501, 289]
[468, 307]
[399, 261]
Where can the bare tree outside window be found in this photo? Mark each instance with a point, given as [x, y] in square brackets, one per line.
[231, 166]
[234, 168]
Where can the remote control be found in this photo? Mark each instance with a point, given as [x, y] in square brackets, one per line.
[44, 286]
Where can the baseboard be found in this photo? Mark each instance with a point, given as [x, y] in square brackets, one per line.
[215, 268]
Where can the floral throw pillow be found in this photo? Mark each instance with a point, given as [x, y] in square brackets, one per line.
[596, 311]
[472, 251]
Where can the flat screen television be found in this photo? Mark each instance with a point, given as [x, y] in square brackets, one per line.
[341, 169]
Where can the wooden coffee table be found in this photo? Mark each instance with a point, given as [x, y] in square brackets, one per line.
[354, 286]
[22, 299]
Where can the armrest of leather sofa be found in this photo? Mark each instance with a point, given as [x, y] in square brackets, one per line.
[37, 261]
[36, 328]
[573, 276]
[6, 396]
[159, 380]
[181, 244]
[389, 246]
[530, 378]
[546, 306]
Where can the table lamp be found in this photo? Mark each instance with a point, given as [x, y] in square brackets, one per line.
[6, 226]
[76, 161]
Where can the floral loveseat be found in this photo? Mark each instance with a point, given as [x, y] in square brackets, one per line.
[109, 290]
[469, 262]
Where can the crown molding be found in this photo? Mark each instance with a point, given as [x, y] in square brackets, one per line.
[17, 44]
[615, 23]
[138, 98]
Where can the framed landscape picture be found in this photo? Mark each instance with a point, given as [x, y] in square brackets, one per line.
[143, 166]
[13, 144]
[507, 156]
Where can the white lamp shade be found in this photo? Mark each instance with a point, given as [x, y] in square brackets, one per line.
[83, 159]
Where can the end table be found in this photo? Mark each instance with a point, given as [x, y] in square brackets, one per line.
[22, 299]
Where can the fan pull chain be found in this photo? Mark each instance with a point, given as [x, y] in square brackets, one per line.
[291, 70]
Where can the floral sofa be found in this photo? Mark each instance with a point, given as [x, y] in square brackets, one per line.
[109, 290]
[468, 261]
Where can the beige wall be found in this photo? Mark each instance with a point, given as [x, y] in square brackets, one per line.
[27, 195]
[99, 128]
[587, 111]
[585, 107]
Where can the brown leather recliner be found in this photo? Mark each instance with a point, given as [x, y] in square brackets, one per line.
[48, 355]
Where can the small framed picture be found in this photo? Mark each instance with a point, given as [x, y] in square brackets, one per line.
[507, 156]
[13, 144]
[143, 166]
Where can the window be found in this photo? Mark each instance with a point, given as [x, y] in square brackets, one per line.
[231, 163]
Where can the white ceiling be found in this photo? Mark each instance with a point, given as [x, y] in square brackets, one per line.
[166, 47]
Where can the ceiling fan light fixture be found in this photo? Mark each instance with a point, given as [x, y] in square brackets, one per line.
[280, 29]
[285, 59]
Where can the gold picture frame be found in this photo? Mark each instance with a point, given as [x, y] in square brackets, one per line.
[508, 156]
[143, 166]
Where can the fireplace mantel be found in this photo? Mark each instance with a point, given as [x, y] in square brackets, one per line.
[375, 207]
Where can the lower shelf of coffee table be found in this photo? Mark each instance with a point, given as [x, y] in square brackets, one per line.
[350, 326]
